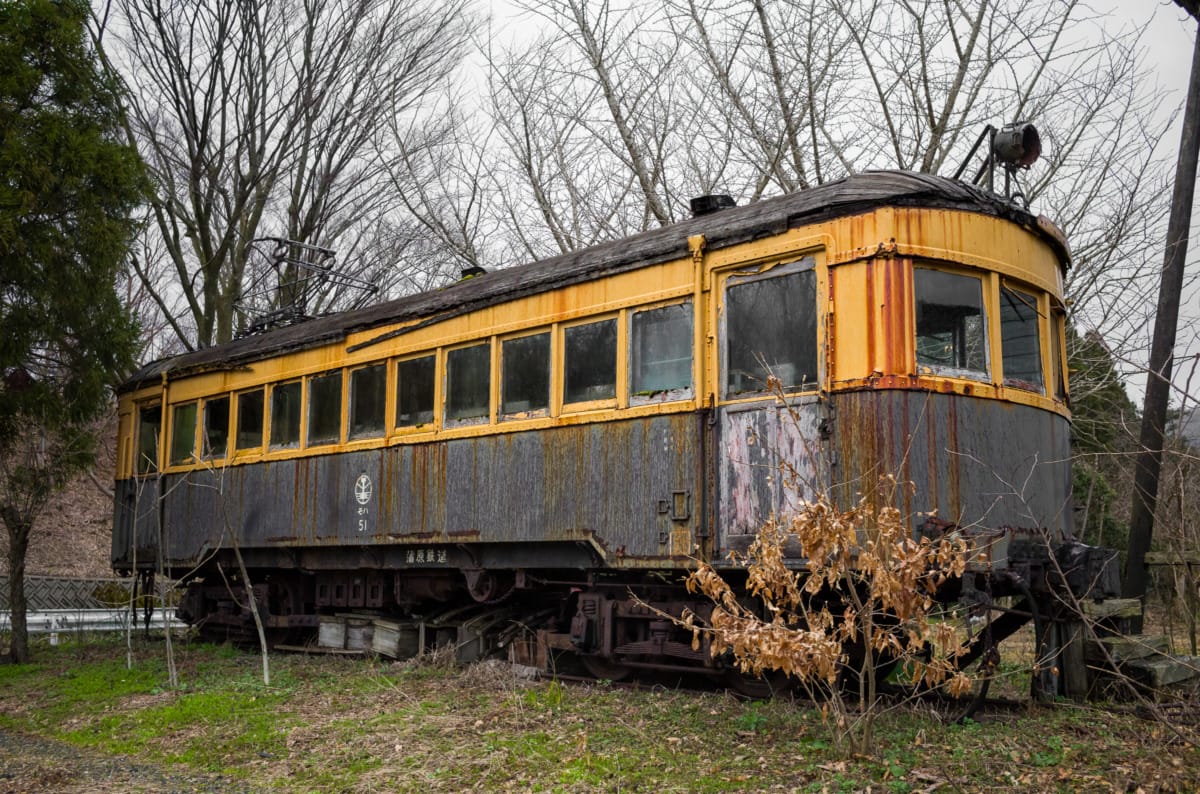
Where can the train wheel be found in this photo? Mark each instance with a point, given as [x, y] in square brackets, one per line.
[771, 683]
[488, 587]
[605, 669]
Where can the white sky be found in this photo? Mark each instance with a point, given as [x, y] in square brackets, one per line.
[1168, 37]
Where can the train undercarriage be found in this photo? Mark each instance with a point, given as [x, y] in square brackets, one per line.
[613, 625]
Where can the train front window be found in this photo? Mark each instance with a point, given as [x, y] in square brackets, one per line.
[325, 409]
[468, 383]
[216, 427]
[591, 362]
[250, 420]
[771, 332]
[414, 391]
[951, 323]
[149, 423]
[183, 433]
[661, 354]
[525, 378]
[285, 415]
[1021, 339]
[368, 401]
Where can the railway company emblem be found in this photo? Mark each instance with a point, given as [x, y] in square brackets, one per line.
[363, 489]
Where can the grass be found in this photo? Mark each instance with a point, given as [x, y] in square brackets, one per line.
[329, 724]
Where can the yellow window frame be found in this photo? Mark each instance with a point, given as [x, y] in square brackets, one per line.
[672, 395]
[498, 371]
[191, 457]
[269, 418]
[1040, 304]
[202, 421]
[990, 298]
[559, 404]
[307, 406]
[434, 423]
[235, 421]
[746, 273]
[443, 377]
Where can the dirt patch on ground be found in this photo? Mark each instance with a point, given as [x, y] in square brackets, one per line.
[30, 765]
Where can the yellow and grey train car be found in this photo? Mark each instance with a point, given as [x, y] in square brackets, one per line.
[569, 431]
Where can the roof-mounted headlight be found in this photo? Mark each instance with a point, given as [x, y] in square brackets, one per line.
[1013, 147]
[1017, 145]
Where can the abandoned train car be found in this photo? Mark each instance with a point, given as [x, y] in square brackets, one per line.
[568, 431]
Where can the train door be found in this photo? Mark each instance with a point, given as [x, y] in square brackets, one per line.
[769, 451]
[136, 497]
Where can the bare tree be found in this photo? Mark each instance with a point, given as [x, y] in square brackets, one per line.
[616, 113]
[594, 122]
[445, 182]
[269, 119]
[772, 76]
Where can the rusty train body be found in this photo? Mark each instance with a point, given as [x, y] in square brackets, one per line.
[571, 432]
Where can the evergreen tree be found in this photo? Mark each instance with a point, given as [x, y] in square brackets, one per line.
[68, 188]
[1101, 418]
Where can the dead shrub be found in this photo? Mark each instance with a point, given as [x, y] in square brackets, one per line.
[866, 596]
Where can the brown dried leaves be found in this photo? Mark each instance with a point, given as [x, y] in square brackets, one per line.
[865, 580]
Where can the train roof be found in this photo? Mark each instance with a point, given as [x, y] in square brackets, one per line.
[852, 195]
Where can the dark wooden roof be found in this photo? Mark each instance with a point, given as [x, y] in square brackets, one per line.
[854, 194]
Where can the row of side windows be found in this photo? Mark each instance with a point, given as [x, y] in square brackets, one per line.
[952, 331]
[769, 331]
[660, 370]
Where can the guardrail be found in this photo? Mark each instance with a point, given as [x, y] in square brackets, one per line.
[67, 621]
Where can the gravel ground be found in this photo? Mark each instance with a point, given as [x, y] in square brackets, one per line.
[29, 764]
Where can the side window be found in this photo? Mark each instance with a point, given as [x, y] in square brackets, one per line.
[951, 323]
[414, 391]
[285, 415]
[1058, 359]
[1021, 339]
[525, 375]
[368, 400]
[468, 383]
[216, 427]
[325, 409]
[771, 330]
[183, 433]
[661, 354]
[250, 420]
[149, 425]
[591, 362]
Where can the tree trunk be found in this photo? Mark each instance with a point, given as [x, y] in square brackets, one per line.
[18, 544]
[1158, 383]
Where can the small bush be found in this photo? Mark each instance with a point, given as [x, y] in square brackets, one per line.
[866, 597]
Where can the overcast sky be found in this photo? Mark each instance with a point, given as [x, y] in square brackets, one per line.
[1168, 35]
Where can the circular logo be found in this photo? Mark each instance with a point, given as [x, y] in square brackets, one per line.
[362, 489]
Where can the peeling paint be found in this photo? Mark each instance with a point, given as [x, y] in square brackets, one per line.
[771, 459]
[603, 481]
